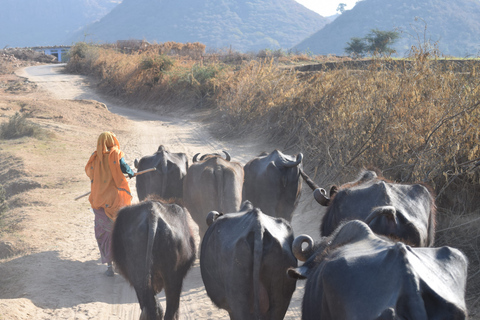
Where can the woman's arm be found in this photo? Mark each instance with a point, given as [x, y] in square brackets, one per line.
[126, 168]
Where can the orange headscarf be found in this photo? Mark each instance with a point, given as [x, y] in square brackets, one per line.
[110, 188]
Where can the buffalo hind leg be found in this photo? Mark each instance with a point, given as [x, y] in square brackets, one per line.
[150, 309]
[241, 306]
[173, 290]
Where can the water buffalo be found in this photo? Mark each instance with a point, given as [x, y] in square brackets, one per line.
[355, 274]
[404, 211]
[167, 181]
[212, 184]
[153, 248]
[272, 183]
[244, 259]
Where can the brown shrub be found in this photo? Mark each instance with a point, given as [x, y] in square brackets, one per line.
[414, 123]
[417, 122]
[170, 72]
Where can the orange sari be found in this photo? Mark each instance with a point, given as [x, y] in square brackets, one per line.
[110, 189]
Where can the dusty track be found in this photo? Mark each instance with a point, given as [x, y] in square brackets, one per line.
[62, 278]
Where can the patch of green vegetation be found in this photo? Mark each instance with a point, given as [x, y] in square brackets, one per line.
[79, 51]
[201, 74]
[157, 64]
[377, 42]
[160, 63]
[18, 126]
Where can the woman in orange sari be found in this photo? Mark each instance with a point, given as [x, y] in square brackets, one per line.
[109, 190]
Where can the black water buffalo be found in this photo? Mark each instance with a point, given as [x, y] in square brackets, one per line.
[404, 211]
[273, 184]
[212, 184]
[153, 248]
[167, 181]
[244, 259]
[355, 274]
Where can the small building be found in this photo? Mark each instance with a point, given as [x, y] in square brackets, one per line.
[58, 51]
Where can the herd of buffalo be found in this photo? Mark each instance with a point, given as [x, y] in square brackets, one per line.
[375, 259]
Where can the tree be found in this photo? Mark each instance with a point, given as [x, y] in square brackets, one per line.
[380, 41]
[341, 8]
[376, 42]
[356, 47]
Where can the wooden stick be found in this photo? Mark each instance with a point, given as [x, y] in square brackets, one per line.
[83, 195]
[144, 171]
[135, 174]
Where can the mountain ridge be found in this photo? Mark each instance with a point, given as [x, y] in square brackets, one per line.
[453, 25]
[243, 26]
[31, 23]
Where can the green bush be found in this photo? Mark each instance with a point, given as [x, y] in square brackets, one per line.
[200, 80]
[81, 57]
[78, 51]
[201, 74]
[18, 126]
[161, 63]
[157, 65]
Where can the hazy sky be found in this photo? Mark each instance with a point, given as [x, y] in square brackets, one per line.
[326, 7]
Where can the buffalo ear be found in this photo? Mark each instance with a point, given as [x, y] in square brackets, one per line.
[212, 216]
[246, 206]
[333, 190]
[135, 163]
[296, 273]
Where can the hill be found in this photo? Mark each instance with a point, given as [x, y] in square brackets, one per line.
[453, 24]
[243, 26]
[31, 23]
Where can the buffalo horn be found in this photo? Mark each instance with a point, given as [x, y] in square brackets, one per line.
[227, 155]
[309, 181]
[195, 157]
[300, 253]
[296, 162]
[321, 196]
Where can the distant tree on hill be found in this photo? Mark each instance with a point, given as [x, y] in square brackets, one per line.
[341, 8]
[376, 42]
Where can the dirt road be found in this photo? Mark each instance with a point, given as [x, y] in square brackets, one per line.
[63, 277]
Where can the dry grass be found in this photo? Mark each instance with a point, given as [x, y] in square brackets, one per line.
[166, 75]
[18, 126]
[416, 124]
[417, 119]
